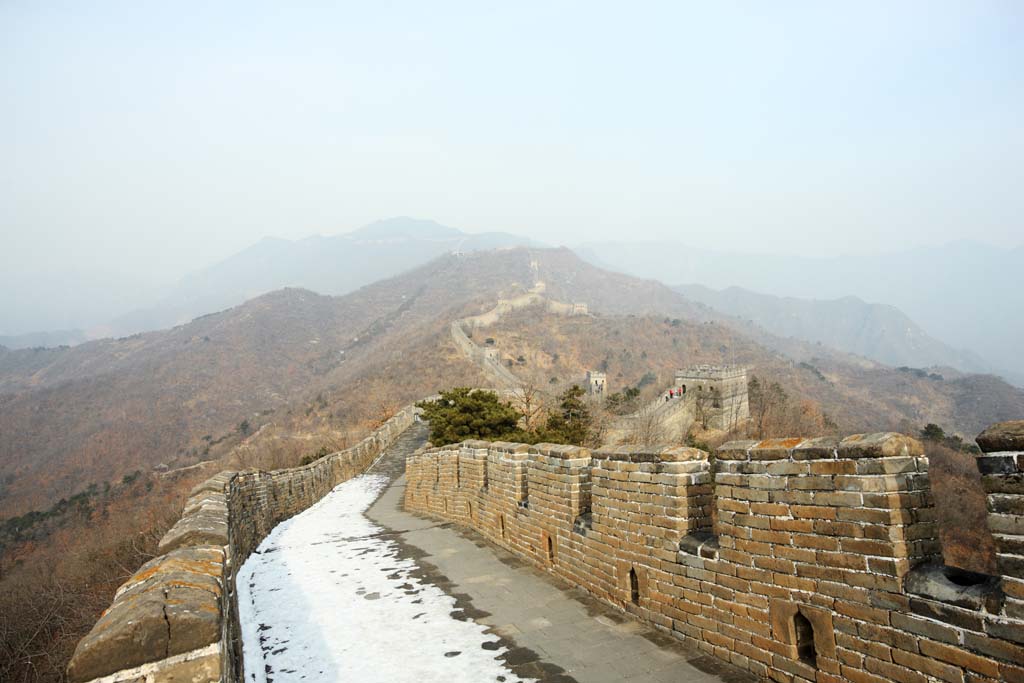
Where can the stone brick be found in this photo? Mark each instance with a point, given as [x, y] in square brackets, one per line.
[203, 669]
[958, 657]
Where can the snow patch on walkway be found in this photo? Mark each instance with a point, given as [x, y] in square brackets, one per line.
[326, 598]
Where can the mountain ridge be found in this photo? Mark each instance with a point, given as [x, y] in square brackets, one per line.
[337, 264]
[878, 331]
[964, 294]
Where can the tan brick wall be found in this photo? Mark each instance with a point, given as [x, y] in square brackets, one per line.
[824, 565]
[1002, 476]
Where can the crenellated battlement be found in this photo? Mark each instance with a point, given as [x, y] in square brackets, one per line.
[823, 564]
[711, 372]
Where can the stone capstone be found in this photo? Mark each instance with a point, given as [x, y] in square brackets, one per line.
[128, 634]
[881, 445]
[1002, 436]
[207, 525]
[171, 605]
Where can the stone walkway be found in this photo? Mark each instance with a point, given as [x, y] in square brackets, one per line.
[554, 633]
[330, 596]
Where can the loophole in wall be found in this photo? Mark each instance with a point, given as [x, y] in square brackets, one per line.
[805, 640]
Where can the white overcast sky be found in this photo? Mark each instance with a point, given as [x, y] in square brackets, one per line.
[146, 139]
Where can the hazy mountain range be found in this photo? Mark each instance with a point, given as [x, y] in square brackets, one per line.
[965, 294]
[951, 306]
[877, 331]
[330, 265]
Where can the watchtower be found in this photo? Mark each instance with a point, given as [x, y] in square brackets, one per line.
[719, 393]
[596, 382]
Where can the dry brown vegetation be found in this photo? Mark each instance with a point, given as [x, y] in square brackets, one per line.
[960, 504]
[53, 590]
[854, 394]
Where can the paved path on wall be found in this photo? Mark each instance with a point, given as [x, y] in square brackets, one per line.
[554, 633]
[357, 590]
[329, 596]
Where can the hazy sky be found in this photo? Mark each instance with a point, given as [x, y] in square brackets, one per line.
[145, 139]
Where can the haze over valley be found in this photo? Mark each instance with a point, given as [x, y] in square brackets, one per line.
[844, 303]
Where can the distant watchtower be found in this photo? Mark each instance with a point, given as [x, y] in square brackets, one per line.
[719, 393]
[579, 308]
[596, 382]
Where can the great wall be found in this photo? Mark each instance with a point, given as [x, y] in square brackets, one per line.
[824, 563]
[715, 395]
[176, 618]
[795, 560]
[487, 357]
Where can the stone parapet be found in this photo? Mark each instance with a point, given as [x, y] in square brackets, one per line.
[824, 564]
[1002, 475]
[176, 618]
[558, 481]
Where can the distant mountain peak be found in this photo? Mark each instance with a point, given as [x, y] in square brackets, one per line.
[404, 227]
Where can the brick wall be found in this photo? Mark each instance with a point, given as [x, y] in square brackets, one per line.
[824, 564]
[176, 618]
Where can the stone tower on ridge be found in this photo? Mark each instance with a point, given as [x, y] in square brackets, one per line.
[596, 382]
[718, 392]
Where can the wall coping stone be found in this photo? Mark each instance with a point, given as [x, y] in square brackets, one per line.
[1002, 436]
[650, 454]
[878, 445]
[510, 447]
[558, 450]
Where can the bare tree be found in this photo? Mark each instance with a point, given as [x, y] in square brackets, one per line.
[706, 404]
[385, 411]
[602, 422]
[648, 427]
[530, 402]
